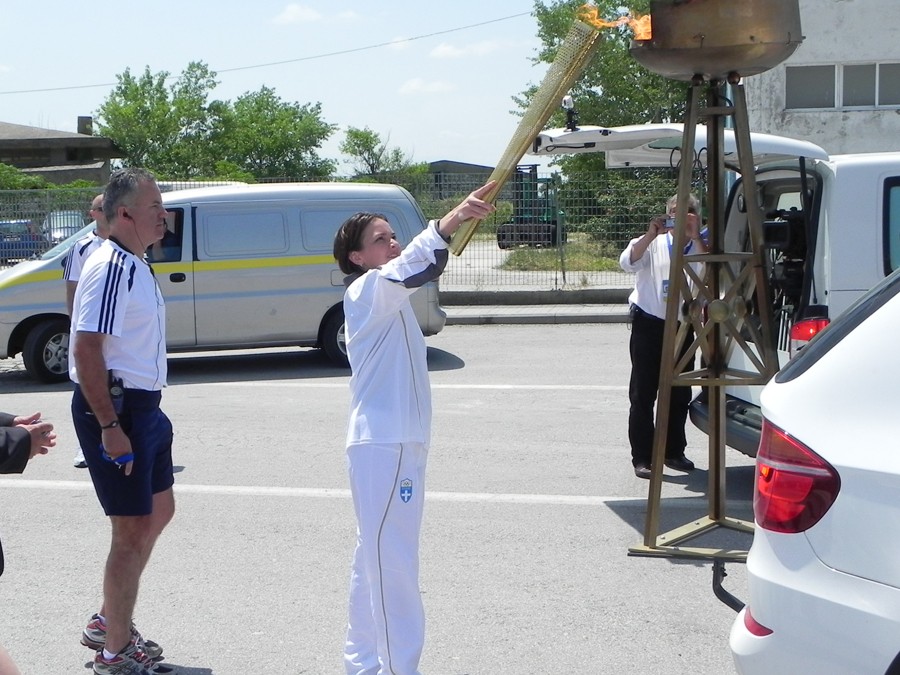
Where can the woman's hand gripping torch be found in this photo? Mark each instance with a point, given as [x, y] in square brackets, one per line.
[465, 217]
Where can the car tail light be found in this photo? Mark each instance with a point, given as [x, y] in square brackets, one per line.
[754, 626]
[804, 331]
[794, 486]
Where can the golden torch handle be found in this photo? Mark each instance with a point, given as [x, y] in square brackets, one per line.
[572, 57]
[467, 229]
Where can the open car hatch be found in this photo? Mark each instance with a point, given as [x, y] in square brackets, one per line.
[659, 145]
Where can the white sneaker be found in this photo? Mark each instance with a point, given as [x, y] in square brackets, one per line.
[79, 462]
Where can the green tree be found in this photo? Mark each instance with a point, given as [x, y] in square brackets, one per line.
[193, 119]
[12, 178]
[271, 138]
[137, 117]
[179, 132]
[371, 156]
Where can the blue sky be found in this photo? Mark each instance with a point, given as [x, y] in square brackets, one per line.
[445, 95]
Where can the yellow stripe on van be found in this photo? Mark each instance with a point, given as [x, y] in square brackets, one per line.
[251, 263]
[32, 278]
[187, 268]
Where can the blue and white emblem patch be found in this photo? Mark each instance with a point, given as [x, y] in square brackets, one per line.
[406, 489]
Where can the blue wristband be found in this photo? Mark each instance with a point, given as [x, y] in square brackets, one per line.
[119, 461]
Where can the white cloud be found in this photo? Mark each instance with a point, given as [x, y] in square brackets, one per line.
[294, 13]
[349, 15]
[5, 69]
[419, 86]
[448, 51]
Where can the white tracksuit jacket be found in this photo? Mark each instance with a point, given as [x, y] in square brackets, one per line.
[390, 389]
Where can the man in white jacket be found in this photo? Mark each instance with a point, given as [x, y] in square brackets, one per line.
[389, 430]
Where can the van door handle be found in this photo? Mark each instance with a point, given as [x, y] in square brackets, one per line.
[177, 277]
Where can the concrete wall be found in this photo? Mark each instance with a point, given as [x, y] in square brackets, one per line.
[835, 32]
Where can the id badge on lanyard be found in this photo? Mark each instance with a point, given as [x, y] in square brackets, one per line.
[665, 282]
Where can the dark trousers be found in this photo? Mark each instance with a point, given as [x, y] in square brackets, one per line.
[646, 348]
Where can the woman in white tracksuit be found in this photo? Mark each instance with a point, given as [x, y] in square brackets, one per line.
[389, 430]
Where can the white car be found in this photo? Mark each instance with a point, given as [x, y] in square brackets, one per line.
[831, 231]
[824, 567]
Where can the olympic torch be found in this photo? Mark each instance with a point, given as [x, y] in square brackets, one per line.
[571, 59]
[573, 55]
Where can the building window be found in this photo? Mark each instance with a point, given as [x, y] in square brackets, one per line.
[859, 85]
[82, 155]
[835, 87]
[810, 87]
[889, 84]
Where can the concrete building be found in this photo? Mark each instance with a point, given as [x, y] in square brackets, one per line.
[841, 87]
[59, 156]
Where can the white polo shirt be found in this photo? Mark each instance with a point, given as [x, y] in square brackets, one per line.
[79, 253]
[117, 295]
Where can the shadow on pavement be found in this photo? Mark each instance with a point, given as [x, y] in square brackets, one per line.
[175, 669]
[738, 482]
[224, 366]
[675, 512]
[281, 365]
[20, 382]
[439, 360]
[248, 366]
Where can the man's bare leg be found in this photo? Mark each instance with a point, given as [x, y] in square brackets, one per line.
[133, 538]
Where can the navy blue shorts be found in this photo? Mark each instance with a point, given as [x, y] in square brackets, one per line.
[150, 433]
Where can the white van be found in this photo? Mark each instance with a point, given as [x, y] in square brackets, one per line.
[823, 252]
[241, 266]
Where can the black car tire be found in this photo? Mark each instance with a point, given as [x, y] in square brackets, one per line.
[46, 351]
[332, 340]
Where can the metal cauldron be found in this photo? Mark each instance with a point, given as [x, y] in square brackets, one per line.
[714, 38]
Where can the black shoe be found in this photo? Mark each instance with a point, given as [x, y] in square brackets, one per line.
[680, 463]
[642, 471]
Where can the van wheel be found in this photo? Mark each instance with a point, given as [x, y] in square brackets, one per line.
[333, 341]
[46, 351]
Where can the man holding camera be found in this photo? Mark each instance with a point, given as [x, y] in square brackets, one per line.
[648, 257]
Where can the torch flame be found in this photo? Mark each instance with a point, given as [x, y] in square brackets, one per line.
[640, 24]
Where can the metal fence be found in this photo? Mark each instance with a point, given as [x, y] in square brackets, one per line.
[549, 232]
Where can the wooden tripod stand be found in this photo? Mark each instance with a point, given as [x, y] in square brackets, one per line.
[716, 305]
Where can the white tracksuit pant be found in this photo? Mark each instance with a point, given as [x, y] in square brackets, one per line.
[386, 629]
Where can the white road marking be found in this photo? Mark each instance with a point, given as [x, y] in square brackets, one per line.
[343, 385]
[332, 493]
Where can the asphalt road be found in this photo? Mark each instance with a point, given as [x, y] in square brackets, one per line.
[532, 507]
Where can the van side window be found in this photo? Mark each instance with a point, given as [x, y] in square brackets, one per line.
[168, 249]
[891, 224]
[243, 235]
[319, 225]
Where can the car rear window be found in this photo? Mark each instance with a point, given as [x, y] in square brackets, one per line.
[13, 227]
[822, 343]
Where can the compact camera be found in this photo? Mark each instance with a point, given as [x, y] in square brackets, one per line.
[670, 222]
